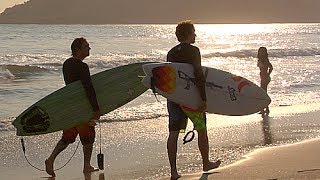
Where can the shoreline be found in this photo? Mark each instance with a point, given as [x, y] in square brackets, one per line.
[297, 160]
[292, 161]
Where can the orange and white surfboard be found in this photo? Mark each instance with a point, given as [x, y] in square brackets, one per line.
[227, 94]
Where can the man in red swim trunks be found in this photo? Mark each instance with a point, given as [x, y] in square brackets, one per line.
[75, 69]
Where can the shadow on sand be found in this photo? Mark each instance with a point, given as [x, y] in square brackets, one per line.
[206, 175]
[88, 176]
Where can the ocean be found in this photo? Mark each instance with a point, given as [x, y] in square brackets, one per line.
[134, 136]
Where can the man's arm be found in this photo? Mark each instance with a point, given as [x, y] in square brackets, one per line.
[91, 94]
[200, 83]
[199, 80]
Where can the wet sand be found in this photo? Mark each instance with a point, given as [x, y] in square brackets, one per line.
[299, 160]
[137, 150]
[295, 161]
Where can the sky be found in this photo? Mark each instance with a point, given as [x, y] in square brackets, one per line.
[211, 11]
[9, 3]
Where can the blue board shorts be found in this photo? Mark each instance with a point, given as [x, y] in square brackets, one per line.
[178, 119]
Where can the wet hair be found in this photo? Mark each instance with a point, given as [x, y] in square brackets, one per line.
[183, 29]
[262, 53]
[76, 44]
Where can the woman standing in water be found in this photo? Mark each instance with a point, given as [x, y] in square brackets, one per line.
[265, 71]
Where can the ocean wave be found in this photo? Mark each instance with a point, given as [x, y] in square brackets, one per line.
[5, 74]
[12, 71]
[18, 71]
[30, 59]
[6, 124]
[252, 53]
[108, 63]
[304, 85]
[41, 62]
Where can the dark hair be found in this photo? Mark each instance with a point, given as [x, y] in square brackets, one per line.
[183, 29]
[76, 44]
[262, 50]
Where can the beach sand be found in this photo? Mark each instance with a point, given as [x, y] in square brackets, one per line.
[300, 160]
[141, 153]
[295, 161]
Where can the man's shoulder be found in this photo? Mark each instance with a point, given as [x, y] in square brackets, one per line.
[193, 47]
[174, 48]
[73, 61]
[189, 47]
[69, 60]
[184, 46]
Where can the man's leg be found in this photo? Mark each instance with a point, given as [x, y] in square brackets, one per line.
[264, 85]
[61, 145]
[172, 153]
[87, 153]
[87, 137]
[203, 145]
[177, 122]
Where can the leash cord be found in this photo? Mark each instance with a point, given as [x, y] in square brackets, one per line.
[100, 135]
[24, 154]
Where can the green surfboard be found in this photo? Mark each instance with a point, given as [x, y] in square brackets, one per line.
[69, 106]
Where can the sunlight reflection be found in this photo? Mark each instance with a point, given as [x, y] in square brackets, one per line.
[233, 29]
[233, 37]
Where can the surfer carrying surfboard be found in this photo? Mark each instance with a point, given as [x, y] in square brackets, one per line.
[187, 53]
[75, 69]
[265, 70]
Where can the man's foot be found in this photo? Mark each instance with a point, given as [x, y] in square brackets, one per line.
[211, 165]
[49, 167]
[90, 169]
[175, 177]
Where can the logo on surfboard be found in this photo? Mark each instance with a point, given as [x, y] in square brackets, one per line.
[35, 120]
[241, 83]
[165, 78]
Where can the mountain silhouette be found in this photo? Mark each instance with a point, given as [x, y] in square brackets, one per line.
[161, 11]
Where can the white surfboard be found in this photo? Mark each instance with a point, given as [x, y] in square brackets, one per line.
[227, 94]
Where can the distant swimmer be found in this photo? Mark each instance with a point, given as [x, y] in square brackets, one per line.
[265, 70]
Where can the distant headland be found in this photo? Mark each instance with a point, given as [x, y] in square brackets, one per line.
[161, 11]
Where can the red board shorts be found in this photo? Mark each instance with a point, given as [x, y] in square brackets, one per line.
[86, 132]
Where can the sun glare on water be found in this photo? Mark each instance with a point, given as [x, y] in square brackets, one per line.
[231, 37]
[232, 29]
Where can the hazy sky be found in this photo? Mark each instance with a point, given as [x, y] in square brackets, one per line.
[9, 3]
[209, 11]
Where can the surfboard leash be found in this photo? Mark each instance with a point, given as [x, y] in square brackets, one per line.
[100, 135]
[185, 140]
[154, 89]
[24, 154]
[100, 156]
